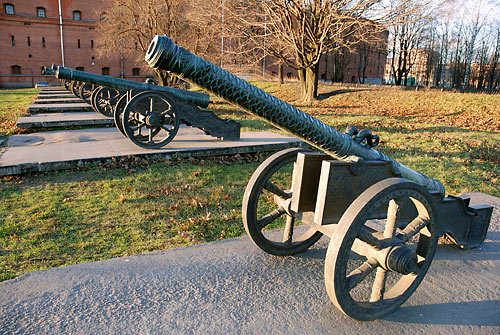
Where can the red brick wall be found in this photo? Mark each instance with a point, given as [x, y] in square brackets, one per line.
[25, 23]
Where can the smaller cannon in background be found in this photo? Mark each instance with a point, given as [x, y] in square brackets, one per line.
[383, 218]
[148, 114]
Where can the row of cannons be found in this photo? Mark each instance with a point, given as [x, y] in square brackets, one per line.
[384, 219]
[148, 114]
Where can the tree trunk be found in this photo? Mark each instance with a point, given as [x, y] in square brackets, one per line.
[309, 84]
[280, 73]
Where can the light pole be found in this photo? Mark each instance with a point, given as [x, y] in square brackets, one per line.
[222, 39]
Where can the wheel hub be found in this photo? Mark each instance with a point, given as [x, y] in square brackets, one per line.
[402, 259]
[153, 120]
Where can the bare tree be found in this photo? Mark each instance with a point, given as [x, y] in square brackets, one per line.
[300, 32]
[407, 33]
[472, 31]
[131, 25]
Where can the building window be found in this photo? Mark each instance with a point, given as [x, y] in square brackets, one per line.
[105, 71]
[91, 44]
[77, 15]
[136, 71]
[9, 9]
[40, 12]
[43, 42]
[29, 41]
[15, 69]
[13, 40]
[79, 68]
[78, 43]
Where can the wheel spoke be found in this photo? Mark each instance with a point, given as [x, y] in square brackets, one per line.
[366, 235]
[164, 127]
[276, 190]
[150, 135]
[413, 228]
[392, 212]
[288, 234]
[151, 104]
[356, 276]
[263, 222]
[378, 288]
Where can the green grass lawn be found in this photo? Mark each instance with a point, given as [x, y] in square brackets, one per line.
[13, 105]
[60, 218]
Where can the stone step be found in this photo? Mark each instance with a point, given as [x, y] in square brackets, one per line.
[71, 99]
[60, 108]
[63, 120]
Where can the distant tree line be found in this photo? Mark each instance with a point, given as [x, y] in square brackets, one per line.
[453, 43]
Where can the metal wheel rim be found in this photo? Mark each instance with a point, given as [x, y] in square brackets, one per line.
[101, 101]
[129, 123]
[86, 91]
[340, 285]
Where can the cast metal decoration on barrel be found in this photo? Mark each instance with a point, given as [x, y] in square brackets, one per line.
[383, 218]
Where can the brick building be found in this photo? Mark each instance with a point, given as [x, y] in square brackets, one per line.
[32, 32]
[362, 64]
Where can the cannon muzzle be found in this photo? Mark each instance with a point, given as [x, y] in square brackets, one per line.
[164, 54]
[199, 99]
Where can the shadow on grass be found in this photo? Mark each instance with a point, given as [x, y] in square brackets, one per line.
[324, 96]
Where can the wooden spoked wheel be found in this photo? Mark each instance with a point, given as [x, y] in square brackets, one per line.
[266, 215]
[381, 249]
[150, 120]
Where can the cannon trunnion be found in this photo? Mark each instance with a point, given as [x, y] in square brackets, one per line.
[383, 218]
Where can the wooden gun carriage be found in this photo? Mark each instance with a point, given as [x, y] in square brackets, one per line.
[383, 219]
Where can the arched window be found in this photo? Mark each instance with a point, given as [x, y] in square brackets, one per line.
[77, 15]
[15, 69]
[136, 71]
[40, 12]
[9, 8]
[79, 68]
[105, 71]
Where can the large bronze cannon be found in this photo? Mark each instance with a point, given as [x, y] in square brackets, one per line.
[148, 114]
[384, 219]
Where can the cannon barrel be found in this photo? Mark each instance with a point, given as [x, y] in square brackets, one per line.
[199, 99]
[164, 54]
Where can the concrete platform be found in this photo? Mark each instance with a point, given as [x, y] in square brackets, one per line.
[59, 108]
[59, 91]
[231, 287]
[63, 120]
[57, 150]
[56, 96]
[53, 88]
[71, 99]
